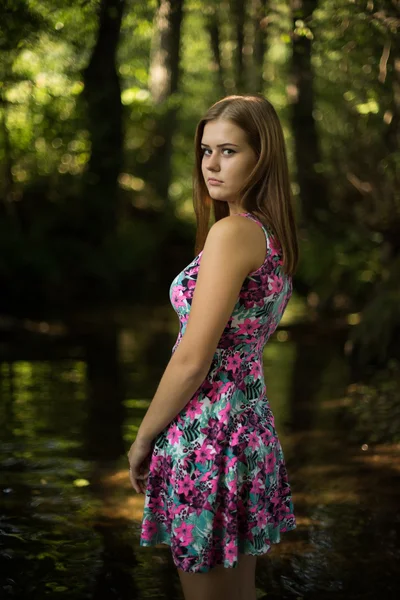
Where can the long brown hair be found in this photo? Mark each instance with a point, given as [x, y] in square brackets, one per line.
[266, 193]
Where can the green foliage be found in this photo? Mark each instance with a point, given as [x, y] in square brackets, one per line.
[20, 22]
[45, 145]
[380, 321]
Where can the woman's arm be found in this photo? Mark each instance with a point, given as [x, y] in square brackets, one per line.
[176, 387]
[228, 257]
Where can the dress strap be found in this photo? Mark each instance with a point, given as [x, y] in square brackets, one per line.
[257, 220]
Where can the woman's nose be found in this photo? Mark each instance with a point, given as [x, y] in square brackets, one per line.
[213, 162]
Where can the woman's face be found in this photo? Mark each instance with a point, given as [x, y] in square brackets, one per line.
[227, 158]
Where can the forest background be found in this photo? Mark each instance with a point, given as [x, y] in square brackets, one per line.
[99, 100]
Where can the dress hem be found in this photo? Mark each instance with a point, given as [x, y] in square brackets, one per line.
[205, 568]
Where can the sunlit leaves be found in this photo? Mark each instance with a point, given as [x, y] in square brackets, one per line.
[81, 482]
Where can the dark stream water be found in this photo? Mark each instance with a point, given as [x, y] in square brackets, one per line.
[70, 520]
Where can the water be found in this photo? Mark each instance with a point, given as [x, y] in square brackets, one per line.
[70, 520]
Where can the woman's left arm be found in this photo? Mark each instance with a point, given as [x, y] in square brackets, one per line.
[228, 257]
[177, 385]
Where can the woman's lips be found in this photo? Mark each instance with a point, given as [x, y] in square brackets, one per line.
[214, 182]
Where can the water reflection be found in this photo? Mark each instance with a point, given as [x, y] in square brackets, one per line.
[70, 519]
[102, 431]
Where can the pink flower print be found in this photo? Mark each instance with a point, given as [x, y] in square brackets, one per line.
[233, 362]
[257, 486]
[217, 388]
[223, 386]
[230, 465]
[185, 533]
[275, 499]
[173, 478]
[266, 436]
[185, 486]
[274, 246]
[254, 509]
[233, 487]
[232, 462]
[255, 369]
[219, 520]
[224, 413]
[248, 326]
[252, 289]
[191, 283]
[254, 440]
[275, 283]
[186, 563]
[194, 410]
[235, 436]
[155, 502]
[212, 479]
[205, 476]
[149, 529]
[231, 551]
[156, 462]
[177, 297]
[174, 433]
[270, 462]
[221, 437]
[204, 453]
[213, 485]
[214, 388]
[261, 519]
[176, 510]
[192, 271]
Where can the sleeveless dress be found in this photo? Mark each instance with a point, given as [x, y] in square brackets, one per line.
[218, 483]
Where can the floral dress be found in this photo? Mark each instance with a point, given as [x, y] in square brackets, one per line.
[218, 483]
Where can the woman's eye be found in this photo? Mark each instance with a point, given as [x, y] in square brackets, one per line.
[205, 150]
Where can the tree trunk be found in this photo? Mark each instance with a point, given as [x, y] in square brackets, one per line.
[213, 28]
[164, 82]
[8, 179]
[313, 186]
[104, 113]
[392, 136]
[391, 56]
[238, 10]
[259, 44]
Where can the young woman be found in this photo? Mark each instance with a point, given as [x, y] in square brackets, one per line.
[207, 455]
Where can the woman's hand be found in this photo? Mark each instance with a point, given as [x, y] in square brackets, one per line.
[139, 456]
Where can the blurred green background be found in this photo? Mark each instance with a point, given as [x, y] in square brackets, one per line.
[99, 100]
